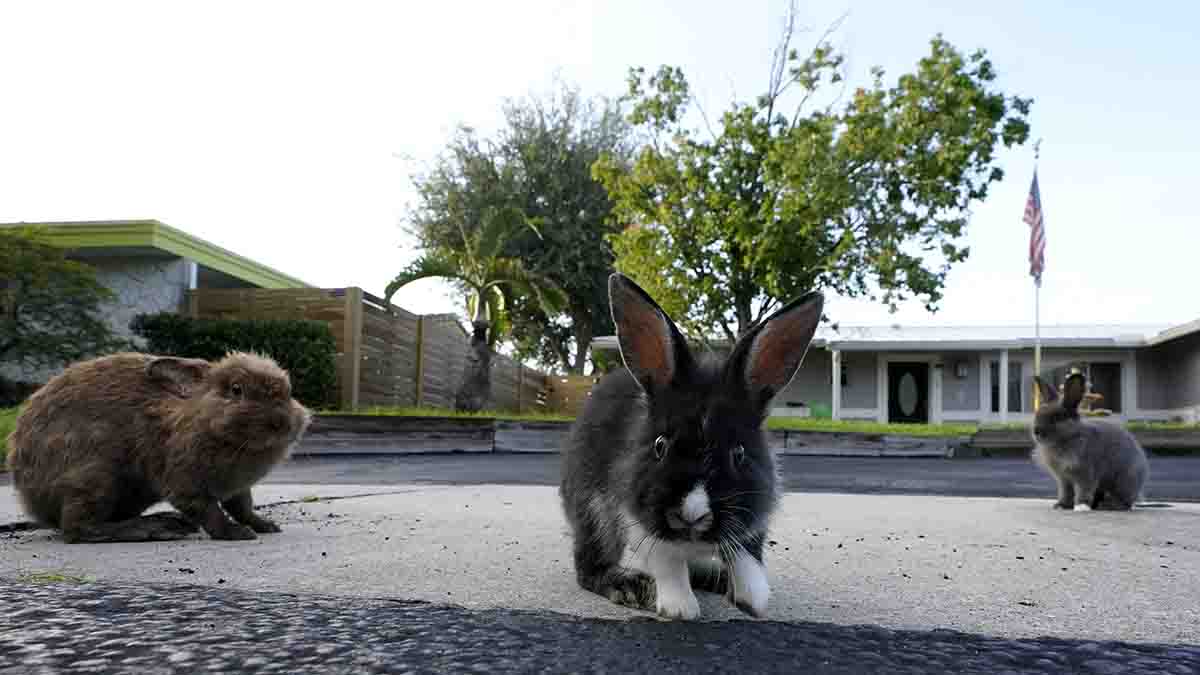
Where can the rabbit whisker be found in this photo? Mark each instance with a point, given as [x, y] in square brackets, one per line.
[744, 493]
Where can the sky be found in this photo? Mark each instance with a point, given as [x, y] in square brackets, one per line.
[288, 131]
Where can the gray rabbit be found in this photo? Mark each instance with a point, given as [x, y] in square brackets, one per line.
[667, 465]
[1090, 460]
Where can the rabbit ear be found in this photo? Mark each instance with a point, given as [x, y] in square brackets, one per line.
[766, 358]
[177, 374]
[1073, 391]
[1047, 392]
[652, 347]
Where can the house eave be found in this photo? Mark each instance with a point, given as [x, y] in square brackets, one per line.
[1174, 333]
[100, 234]
[609, 343]
[978, 345]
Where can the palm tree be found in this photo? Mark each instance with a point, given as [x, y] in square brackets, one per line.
[483, 271]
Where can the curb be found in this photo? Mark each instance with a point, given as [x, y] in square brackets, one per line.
[384, 435]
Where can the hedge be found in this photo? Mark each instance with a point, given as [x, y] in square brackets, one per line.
[306, 349]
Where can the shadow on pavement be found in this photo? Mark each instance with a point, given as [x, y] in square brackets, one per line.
[92, 627]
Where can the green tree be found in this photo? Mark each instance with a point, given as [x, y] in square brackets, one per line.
[552, 142]
[477, 265]
[802, 189]
[539, 163]
[51, 308]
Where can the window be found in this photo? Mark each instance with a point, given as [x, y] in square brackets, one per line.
[1014, 386]
[1103, 383]
[1106, 381]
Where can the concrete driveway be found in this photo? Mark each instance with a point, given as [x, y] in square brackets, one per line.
[1003, 567]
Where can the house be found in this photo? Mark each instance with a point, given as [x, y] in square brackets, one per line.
[985, 374]
[150, 267]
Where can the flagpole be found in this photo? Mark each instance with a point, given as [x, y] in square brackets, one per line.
[1037, 303]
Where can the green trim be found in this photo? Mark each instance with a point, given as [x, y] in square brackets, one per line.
[155, 234]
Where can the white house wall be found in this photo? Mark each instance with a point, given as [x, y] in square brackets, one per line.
[968, 399]
[859, 388]
[144, 287]
[1169, 379]
[960, 393]
[140, 286]
[811, 383]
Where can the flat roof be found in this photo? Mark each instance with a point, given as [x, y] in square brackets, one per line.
[152, 237]
[982, 338]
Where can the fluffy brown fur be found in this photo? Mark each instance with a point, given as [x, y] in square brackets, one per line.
[109, 437]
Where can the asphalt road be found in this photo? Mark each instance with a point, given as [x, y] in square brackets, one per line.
[1171, 478]
[113, 628]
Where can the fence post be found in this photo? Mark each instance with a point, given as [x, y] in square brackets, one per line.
[419, 374]
[352, 367]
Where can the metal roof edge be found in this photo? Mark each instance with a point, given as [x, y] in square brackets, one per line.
[1175, 332]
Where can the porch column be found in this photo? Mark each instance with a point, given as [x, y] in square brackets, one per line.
[985, 387]
[836, 397]
[1003, 385]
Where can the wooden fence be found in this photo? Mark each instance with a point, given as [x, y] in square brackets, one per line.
[386, 355]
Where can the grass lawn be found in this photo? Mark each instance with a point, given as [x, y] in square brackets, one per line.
[8, 416]
[867, 427]
[7, 419]
[775, 423]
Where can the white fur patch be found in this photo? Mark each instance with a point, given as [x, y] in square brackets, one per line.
[696, 504]
[1082, 507]
[668, 564]
[750, 586]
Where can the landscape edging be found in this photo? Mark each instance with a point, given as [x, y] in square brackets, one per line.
[383, 434]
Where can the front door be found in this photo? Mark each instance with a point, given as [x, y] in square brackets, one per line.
[908, 392]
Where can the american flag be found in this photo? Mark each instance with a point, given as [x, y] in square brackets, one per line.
[1037, 233]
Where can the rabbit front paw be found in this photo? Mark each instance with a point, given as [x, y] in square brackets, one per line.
[677, 602]
[1082, 507]
[750, 590]
[674, 598]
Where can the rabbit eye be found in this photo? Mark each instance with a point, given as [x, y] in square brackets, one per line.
[739, 454]
[236, 389]
[660, 447]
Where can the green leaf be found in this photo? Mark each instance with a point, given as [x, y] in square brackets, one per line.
[867, 196]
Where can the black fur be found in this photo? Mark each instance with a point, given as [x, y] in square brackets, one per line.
[709, 411]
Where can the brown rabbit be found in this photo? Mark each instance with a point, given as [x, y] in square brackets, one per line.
[1090, 461]
[109, 437]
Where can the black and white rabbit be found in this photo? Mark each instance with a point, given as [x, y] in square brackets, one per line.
[1089, 460]
[667, 474]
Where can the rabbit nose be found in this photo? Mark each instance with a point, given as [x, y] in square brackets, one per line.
[694, 511]
[677, 520]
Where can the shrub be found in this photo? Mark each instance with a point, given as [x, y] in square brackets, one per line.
[14, 393]
[306, 349]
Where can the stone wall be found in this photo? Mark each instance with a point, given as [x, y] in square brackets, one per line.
[141, 286]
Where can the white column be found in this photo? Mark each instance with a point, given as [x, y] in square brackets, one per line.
[1129, 402]
[836, 397]
[193, 273]
[1004, 385]
[985, 389]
